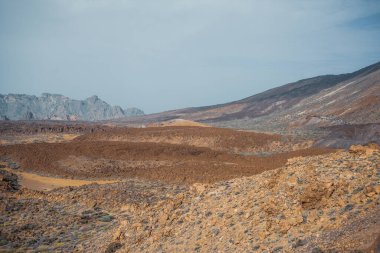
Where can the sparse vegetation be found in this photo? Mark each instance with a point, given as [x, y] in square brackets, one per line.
[188, 197]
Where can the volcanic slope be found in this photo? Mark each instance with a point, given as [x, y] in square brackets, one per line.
[325, 100]
[354, 101]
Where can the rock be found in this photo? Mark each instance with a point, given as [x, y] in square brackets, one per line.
[298, 243]
[372, 190]
[316, 250]
[13, 165]
[113, 247]
[58, 107]
[162, 218]
[9, 181]
[106, 218]
[266, 216]
[215, 231]
[357, 190]
[365, 150]
[347, 208]
[3, 242]
[198, 188]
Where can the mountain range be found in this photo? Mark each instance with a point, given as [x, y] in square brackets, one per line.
[335, 110]
[338, 105]
[352, 98]
[58, 107]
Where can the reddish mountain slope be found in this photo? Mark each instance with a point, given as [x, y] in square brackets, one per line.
[352, 98]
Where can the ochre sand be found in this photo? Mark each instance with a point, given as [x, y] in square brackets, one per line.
[41, 183]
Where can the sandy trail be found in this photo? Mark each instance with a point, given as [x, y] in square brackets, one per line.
[42, 183]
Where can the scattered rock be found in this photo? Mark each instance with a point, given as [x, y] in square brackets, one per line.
[106, 218]
[113, 247]
[269, 209]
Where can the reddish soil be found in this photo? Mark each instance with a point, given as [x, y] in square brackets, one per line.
[214, 138]
[152, 161]
[41, 126]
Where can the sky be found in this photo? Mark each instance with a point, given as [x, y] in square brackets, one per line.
[168, 54]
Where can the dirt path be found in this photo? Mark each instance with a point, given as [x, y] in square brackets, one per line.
[42, 183]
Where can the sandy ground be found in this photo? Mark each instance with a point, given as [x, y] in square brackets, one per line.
[185, 189]
[178, 122]
[9, 139]
[41, 183]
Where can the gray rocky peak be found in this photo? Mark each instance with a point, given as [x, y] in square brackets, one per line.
[58, 107]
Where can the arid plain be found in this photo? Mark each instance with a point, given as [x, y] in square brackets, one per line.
[292, 169]
[168, 188]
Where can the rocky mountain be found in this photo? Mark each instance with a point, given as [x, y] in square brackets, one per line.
[307, 106]
[338, 116]
[59, 107]
[352, 97]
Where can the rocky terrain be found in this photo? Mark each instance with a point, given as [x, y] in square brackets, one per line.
[70, 219]
[305, 108]
[58, 107]
[315, 204]
[301, 182]
[325, 203]
[43, 127]
[352, 102]
[30, 131]
[213, 138]
[347, 135]
[174, 154]
[346, 97]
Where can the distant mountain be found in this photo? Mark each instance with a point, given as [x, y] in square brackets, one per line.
[352, 98]
[59, 107]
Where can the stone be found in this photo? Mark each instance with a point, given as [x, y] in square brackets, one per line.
[316, 250]
[198, 188]
[106, 218]
[59, 107]
[113, 247]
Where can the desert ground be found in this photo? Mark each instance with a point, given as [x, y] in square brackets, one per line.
[182, 187]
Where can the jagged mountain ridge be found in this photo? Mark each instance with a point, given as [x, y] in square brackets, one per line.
[58, 107]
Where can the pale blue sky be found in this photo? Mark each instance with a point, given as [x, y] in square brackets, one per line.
[160, 55]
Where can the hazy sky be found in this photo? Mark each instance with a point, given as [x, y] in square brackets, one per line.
[159, 55]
